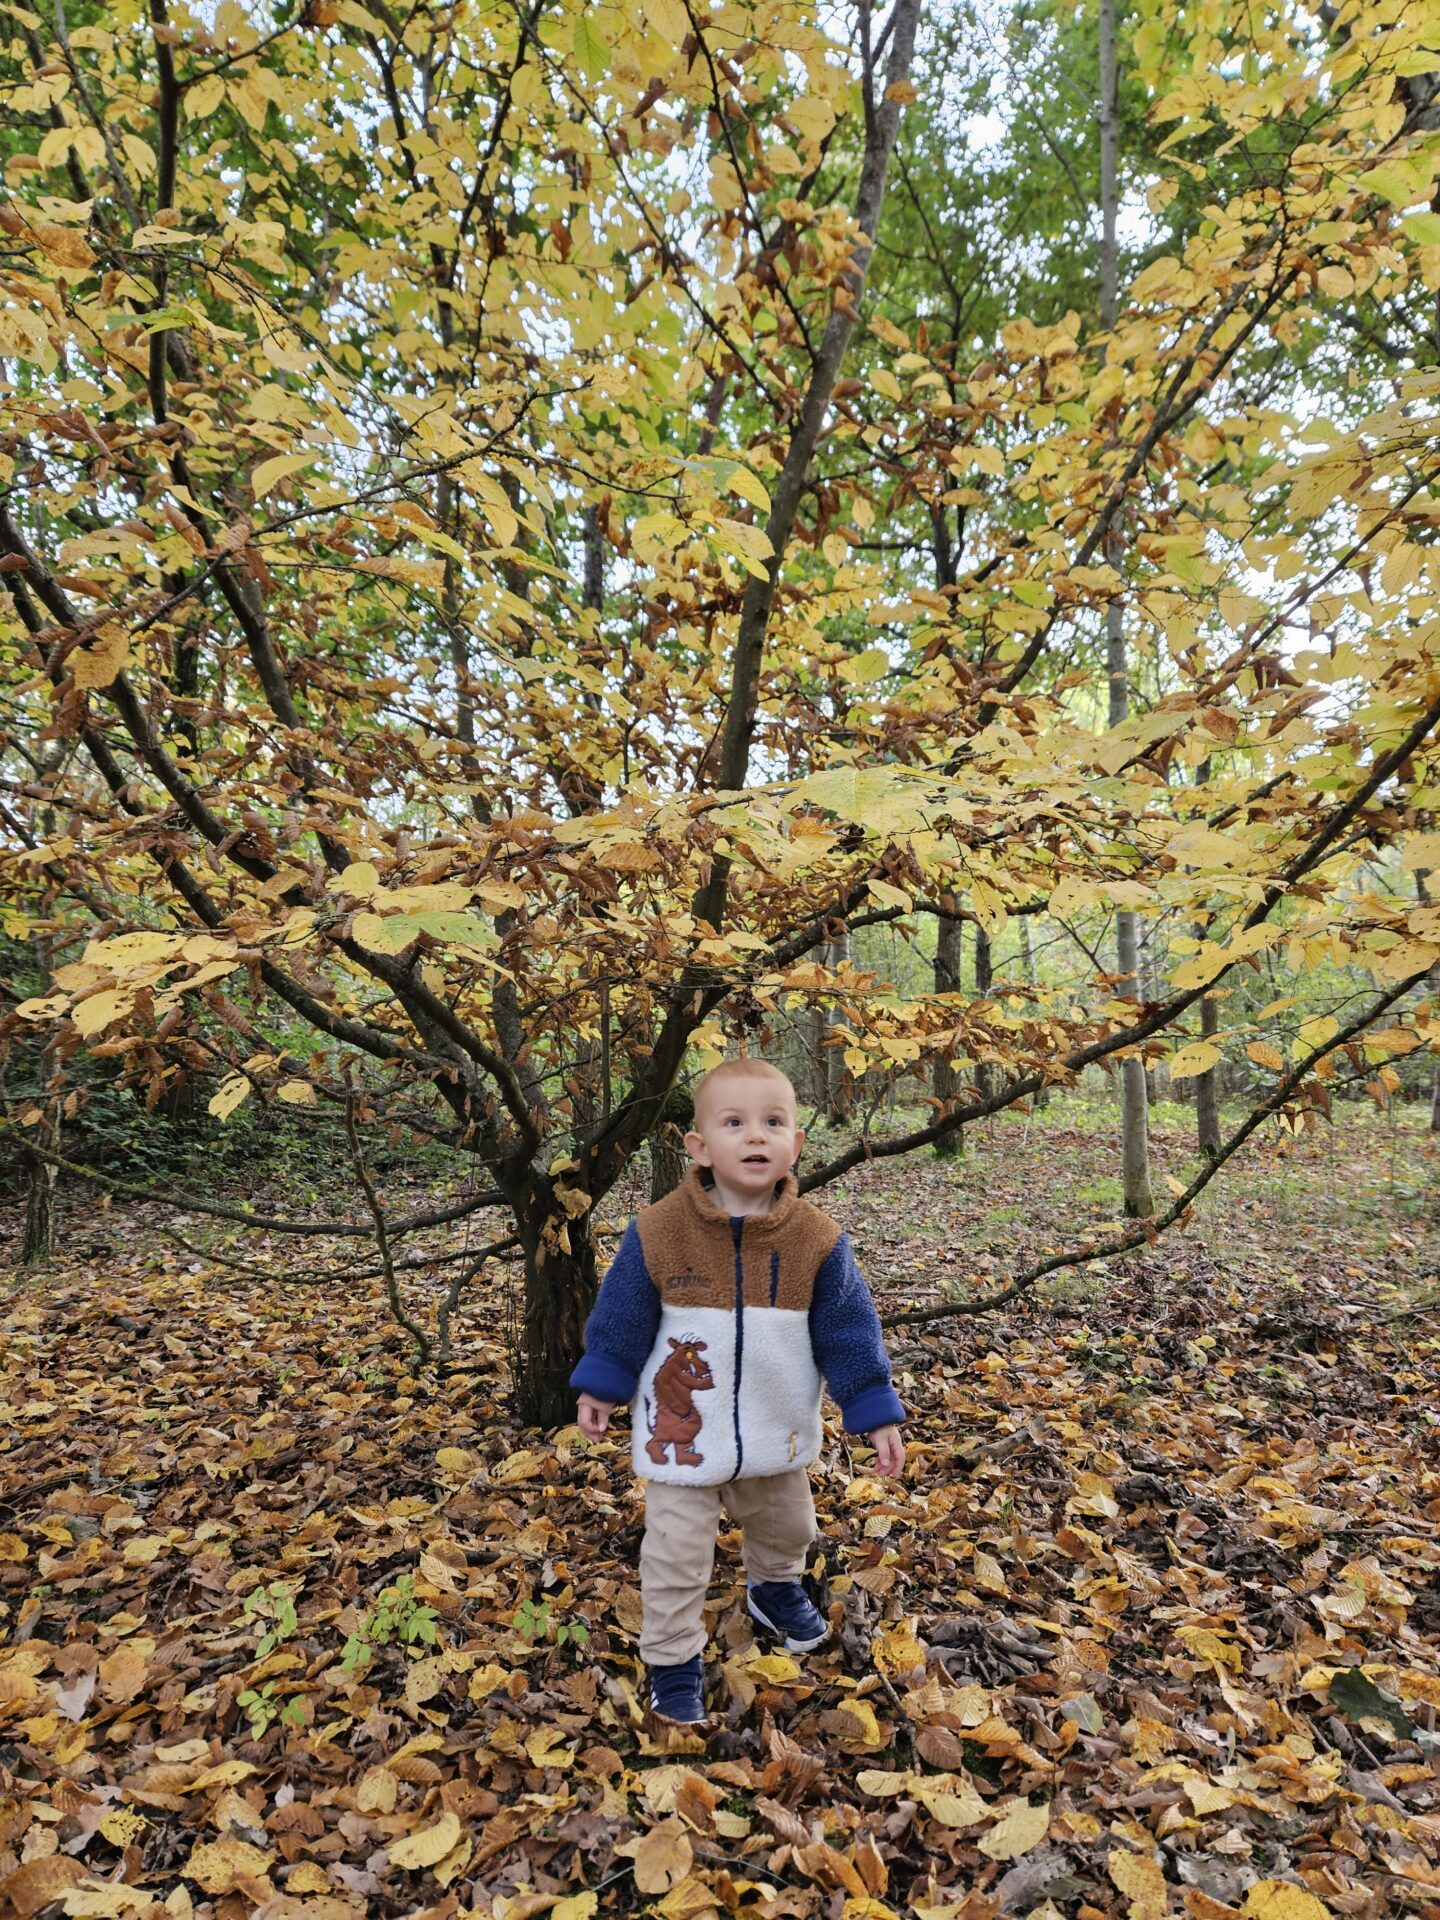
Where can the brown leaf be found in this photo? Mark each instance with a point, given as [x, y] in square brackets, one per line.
[662, 1857]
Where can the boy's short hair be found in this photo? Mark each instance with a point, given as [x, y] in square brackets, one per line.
[745, 1069]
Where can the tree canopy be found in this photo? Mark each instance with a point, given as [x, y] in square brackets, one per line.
[521, 522]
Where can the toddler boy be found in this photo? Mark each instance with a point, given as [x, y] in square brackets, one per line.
[724, 1307]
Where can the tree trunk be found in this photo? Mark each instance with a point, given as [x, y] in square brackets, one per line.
[839, 1100]
[1134, 1094]
[668, 1158]
[1032, 980]
[949, 948]
[984, 980]
[547, 1338]
[38, 1245]
[1207, 1091]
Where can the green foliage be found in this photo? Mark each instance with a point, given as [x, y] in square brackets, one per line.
[263, 1710]
[396, 1616]
[533, 1621]
[272, 1606]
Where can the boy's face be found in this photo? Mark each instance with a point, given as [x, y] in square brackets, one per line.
[745, 1132]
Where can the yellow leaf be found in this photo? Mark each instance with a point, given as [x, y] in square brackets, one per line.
[880, 1783]
[546, 1748]
[1198, 1057]
[1278, 1900]
[523, 1465]
[863, 668]
[455, 1460]
[233, 1090]
[297, 1093]
[885, 383]
[743, 482]
[96, 1013]
[1421, 851]
[988, 1572]
[217, 1865]
[414, 573]
[361, 877]
[377, 1792]
[1203, 847]
[897, 1652]
[97, 660]
[204, 96]
[1019, 1829]
[122, 1825]
[1093, 1495]
[1264, 1055]
[887, 896]
[131, 950]
[1205, 1644]
[777, 1668]
[419, 1850]
[271, 472]
[951, 1809]
[487, 1680]
[579, 1906]
[867, 1737]
[1139, 1878]
[672, 23]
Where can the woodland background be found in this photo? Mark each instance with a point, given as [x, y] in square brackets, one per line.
[544, 545]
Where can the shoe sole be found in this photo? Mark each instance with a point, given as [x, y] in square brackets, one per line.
[669, 1719]
[791, 1646]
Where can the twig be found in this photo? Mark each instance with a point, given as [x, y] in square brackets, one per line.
[382, 1240]
[260, 1221]
[1149, 1230]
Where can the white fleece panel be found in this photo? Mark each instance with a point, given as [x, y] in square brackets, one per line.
[779, 1392]
[715, 1442]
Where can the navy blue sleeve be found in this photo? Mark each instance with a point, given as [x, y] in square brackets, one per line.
[848, 1346]
[622, 1327]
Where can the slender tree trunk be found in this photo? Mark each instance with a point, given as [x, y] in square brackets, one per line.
[948, 954]
[1134, 1095]
[1032, 980]
[38, 1245]
[547, 1334]
[984, 981]
[1207, 1091]
[839, 1101]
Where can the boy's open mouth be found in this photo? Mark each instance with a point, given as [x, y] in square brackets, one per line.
[757, 1160]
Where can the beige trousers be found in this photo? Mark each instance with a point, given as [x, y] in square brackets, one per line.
[677, 1554]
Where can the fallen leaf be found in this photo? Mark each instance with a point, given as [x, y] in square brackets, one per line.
[419, 1850]
[1021, 1827]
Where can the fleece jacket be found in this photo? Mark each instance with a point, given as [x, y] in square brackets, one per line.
[720, 1331]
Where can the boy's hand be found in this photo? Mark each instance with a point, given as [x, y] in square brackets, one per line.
[593, 1416]
[889, 1451]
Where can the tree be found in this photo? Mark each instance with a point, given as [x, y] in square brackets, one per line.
[341, 353]
[1134, 1093]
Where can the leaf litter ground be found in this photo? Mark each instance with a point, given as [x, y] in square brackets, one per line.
[1152, 1624]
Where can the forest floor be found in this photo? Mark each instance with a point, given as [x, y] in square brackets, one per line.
[1151, 1625]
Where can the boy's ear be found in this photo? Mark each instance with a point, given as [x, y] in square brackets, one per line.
[696, 1148]
[799, 1142]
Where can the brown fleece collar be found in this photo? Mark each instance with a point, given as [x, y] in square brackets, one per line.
[700, 1204]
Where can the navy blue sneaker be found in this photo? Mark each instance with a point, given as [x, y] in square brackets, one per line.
[678, 1693]
[784, 1607]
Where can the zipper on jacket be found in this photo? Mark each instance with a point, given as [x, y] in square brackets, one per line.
[737, 1227]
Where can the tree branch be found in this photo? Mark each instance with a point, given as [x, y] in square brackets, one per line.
[1151, 1229]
